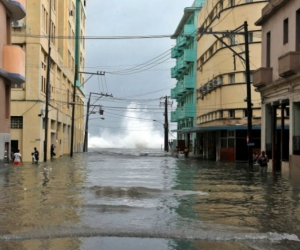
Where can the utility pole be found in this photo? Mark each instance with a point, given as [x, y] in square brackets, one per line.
[166, 124]
[47, 86]
[77, 29]
[248, 83]
[249, 104]
[86, 131]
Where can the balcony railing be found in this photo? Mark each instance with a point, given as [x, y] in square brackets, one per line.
[180, 88]
[174, 72]
[174, 116]
[175, 53]
[262, 77]
[14, 63]
[189, 110]
[189, 82]
[189, 30]
[174, 94]
[181, 64]
[289, 64]
[182, 41]
[189, 55]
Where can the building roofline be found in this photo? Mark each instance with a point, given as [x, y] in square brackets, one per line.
[187, 13]
[269, 10]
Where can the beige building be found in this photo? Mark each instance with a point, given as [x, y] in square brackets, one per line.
[12, 68]
[28, 99]
[278, 81]
[221, 79]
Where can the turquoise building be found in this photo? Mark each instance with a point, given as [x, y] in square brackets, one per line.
[185, 53]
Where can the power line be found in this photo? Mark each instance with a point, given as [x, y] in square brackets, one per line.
[93, 37]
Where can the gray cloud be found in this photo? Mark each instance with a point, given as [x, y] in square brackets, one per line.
[130, 18]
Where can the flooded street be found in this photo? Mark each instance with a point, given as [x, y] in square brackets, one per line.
[144, 199]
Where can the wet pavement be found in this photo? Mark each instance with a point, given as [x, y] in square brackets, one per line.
[144, 199]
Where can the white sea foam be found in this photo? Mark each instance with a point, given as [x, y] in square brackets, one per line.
[138, 132]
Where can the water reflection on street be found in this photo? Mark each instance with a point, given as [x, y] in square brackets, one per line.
[133, 199]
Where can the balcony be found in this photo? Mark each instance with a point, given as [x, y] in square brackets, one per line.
[189, 30]
[289, 64]
[189, 110]
[174, 93]
[174, 116]
[262, 77]
[182, 41]
[180, 88]
[179, 112]
[17, 8]
[175, 52]
[14, 63]
[181, 64]
[189, 82]
[174, 72]
[189, 55]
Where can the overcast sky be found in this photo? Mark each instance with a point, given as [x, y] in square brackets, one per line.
[131, 18]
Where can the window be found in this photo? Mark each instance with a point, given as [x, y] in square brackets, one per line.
[16, 122]
[250, 37]
[231, 78]
[221, 5]
[231, 113]
[227, 138]
[268, 50]
[17, 85]
[248, 1]
[211, 51]
[232, 40]
[7, 101]
[231, 3]
[245, 113]
[286, 31]
[298, 30]
[287, 111]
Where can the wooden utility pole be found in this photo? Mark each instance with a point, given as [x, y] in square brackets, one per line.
[166, 126]
[86, 131]
[47, 86]
[249, 102]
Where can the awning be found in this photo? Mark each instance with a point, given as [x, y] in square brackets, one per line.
[218, 128]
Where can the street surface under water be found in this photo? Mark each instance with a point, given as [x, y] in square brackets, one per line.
[144, 199]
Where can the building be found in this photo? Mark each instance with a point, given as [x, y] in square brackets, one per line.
[278, 82]
[43, 31]
[221, 113]
[12, 68]
[185, 53]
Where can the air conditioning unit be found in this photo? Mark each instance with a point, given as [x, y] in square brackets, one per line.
[216, 82]
[18, 24]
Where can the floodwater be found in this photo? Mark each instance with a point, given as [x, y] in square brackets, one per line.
[143, 199]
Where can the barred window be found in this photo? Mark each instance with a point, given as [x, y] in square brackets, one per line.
[16, 122]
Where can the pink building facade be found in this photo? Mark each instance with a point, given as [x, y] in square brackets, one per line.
[12, 68]
[278, 81]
